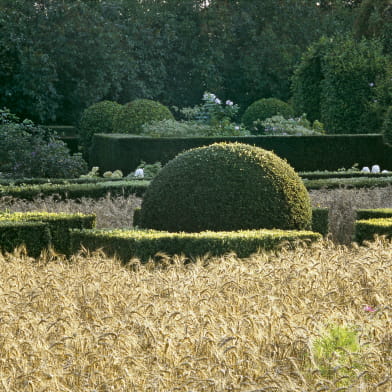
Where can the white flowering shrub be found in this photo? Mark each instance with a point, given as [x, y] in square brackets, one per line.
[278, 125]
[212, 110]
[173, 128]
[211, 118]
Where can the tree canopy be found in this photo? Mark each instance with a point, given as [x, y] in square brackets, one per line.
[58, 57]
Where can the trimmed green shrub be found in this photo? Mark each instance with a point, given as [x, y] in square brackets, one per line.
[320, 220]
[262, 109]
[58, 224]
[84, 179]
[75, 191]
[145, 245]
[97, 118]
[132, 116]
[373, 213]
[387, 126]
[136, 217]
[35, 236]
[226, 186]
[366, 229]
[358, 182]
[349, 173]
[304, 153]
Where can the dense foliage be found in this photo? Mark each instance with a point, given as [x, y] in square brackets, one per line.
[228, 187]
[97, 118]
[387, 126]
[262, 109]
[375, 21]
[59, 57]
[131, 117]
[300, 126]
[345, 84]
[30, 151]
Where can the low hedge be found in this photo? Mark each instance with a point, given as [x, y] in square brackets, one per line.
[320, 220]
[360, 182]
[35, 236]
[366, 229]
[321, 175]
[96, 190]
[75, 191]
[317, 175]
[303, 153]
[55, 181]
[58, 224]
[373, 213]
[148, 244]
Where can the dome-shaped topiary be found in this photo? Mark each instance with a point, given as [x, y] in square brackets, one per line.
[97, 118]
[387, 126]
[265, 108]
[133, 115]
[226, 187]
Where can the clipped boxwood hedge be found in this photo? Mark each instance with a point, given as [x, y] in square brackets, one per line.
[320, 220]
[147, 244]
[303, 153]
[322, 175]
[76, 191]
[98, 188]
[97, 118]
[35, 236]
[226, 187]
[359, 182]
[58, 224]
[373, 213]
[366, 229]
[131, 116]
[265, 108]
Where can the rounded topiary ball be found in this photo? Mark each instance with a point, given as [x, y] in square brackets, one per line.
[97, 118]
[265, 108]
[387, 126]
[226, 187]
[133, 115]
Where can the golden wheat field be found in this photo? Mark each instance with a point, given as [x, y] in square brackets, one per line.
[223, 324]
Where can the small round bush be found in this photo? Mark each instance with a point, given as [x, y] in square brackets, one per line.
[265, 108]
[97, 118]
[226, 187]
[387, 126]
[133, 115]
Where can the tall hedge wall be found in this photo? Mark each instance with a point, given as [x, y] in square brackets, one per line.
[304, 153]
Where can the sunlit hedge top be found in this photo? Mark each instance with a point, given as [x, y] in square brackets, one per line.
[228, 187]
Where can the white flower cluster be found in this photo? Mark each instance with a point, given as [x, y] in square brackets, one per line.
[209, 97]
[139, 173]
[374, 169]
